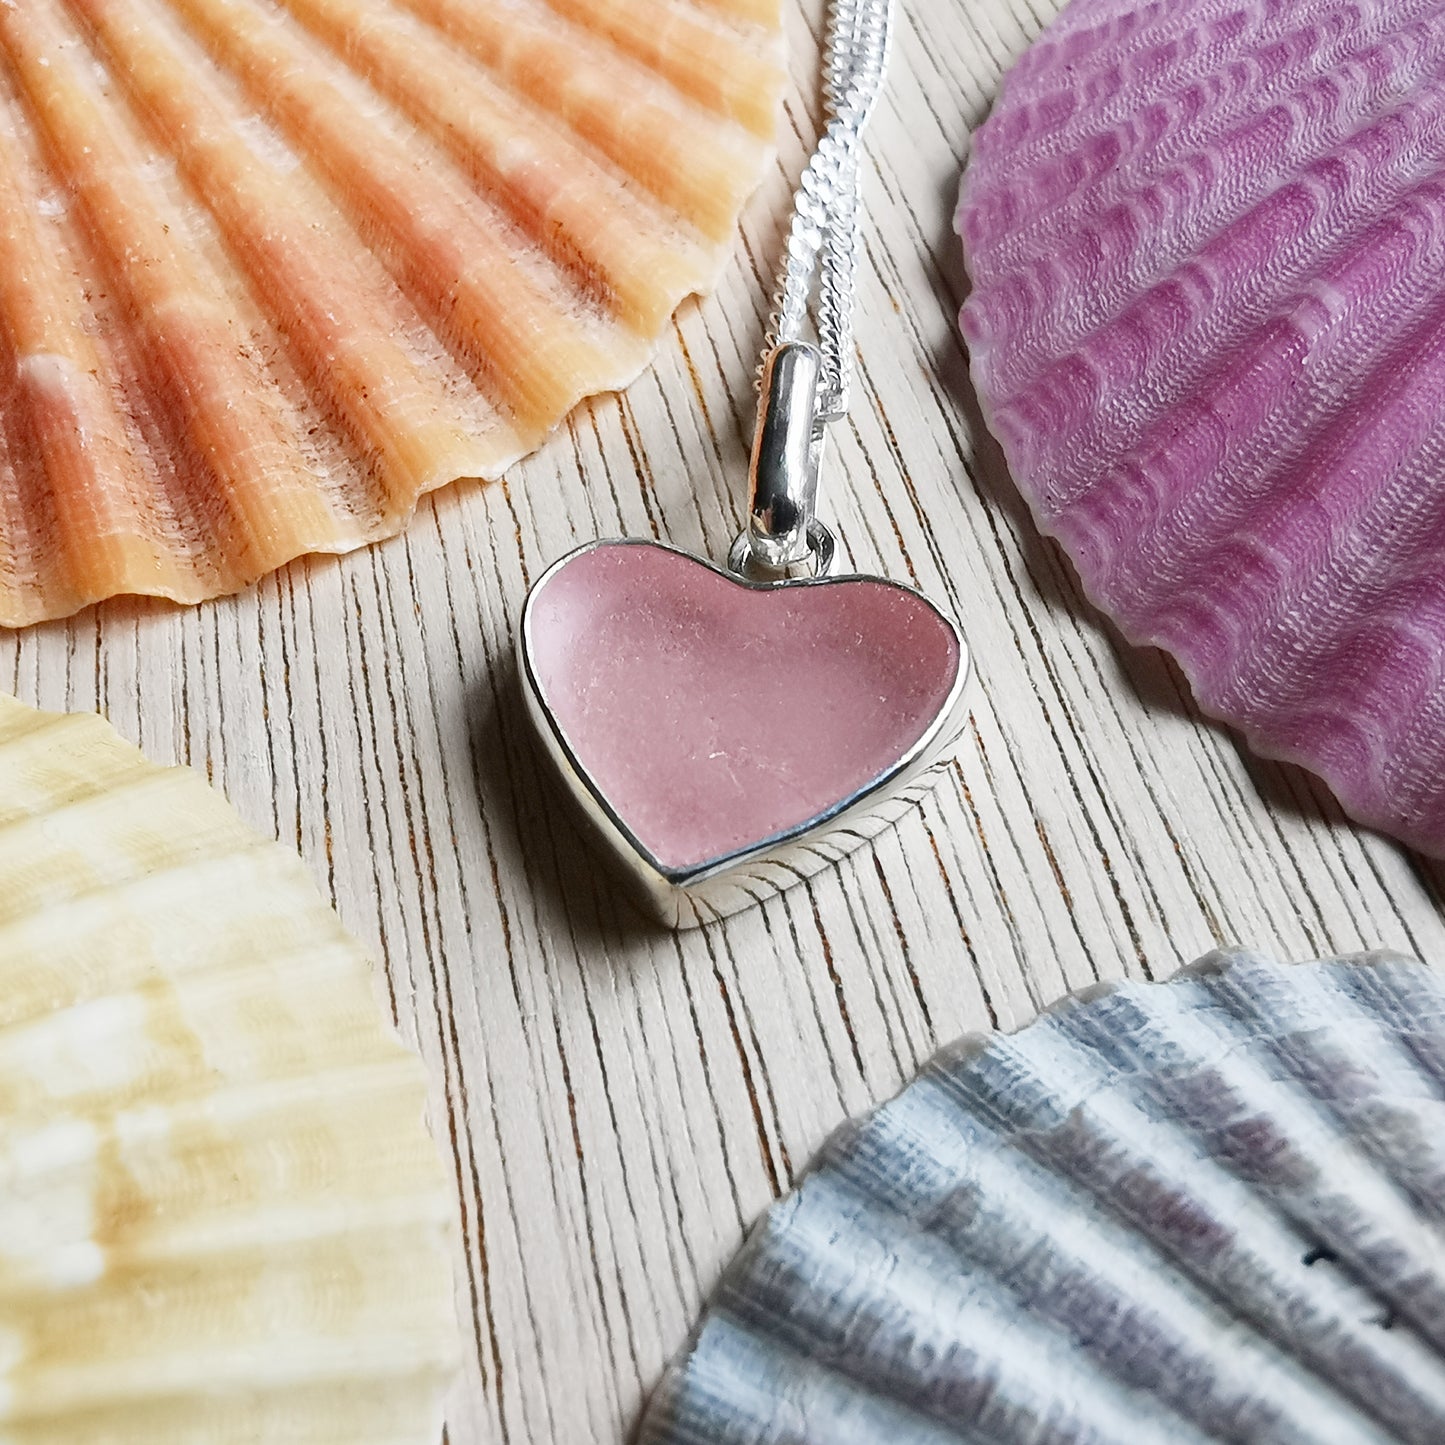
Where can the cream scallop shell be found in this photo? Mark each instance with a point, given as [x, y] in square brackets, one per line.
[272, 269]
[221, 1217]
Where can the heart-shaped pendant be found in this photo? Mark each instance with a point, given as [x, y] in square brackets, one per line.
[727, 738]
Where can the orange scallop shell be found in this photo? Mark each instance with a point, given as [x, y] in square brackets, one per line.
[271, 269]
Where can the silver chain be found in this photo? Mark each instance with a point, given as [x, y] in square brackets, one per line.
[803, 386]
[824, 234]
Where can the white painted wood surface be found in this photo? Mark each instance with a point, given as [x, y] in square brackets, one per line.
[619, 1104]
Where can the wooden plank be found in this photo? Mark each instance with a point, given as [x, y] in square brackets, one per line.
[619, 1104]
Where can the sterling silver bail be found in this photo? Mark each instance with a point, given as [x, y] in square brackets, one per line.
[783, 531]
[803, 385]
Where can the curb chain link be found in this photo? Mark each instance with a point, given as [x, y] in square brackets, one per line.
[824, 234]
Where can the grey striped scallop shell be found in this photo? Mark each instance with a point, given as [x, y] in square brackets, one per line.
[1207, 1210]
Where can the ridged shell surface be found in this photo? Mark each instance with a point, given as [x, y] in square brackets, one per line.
[1206, 243]
[272, 269]
[222, 1220]
[1162, 1214]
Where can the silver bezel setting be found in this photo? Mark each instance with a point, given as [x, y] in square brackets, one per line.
[686, 898]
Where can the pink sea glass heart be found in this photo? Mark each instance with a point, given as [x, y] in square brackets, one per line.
[711, 717]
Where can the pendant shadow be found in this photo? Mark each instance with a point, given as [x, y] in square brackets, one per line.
[1149, 673]
[532, 832]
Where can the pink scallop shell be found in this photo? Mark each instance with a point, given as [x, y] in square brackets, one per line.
[1206, 242]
